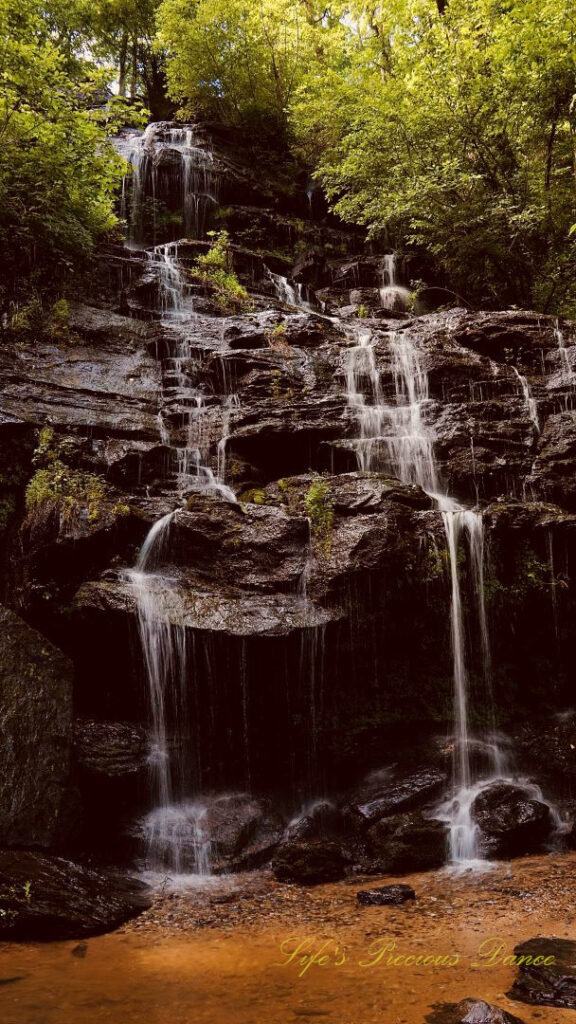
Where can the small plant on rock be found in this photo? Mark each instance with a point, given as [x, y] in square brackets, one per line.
[320, 510]
[215, 272]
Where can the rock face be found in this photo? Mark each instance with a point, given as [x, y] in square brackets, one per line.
[314, 609]
[36, 728]
[546, 984]
[243, 832]
[51, 898]
[510, 821]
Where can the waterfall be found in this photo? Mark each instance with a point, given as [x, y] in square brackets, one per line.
[529, 400]
[172, 829]
[291, 294]
[565, 364]
[392, 294]
[171, 164]
[163, 260]
[394, 437]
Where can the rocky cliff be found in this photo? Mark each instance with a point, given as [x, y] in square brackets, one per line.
[314, 606]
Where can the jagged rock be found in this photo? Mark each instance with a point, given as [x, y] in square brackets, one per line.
[386, 792]
[322, 821]
[36, 726]
[471, 1011]
[405, 843]
[385, 896]
[309, 862]
[235, 822]
[105, 380]
[546, 984]
[65, 901]
[511, 822]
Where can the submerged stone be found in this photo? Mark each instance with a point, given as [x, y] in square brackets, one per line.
[385, 895]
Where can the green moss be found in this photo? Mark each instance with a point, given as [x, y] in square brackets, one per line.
[70, 492]
[255, 496]
[276, 338]
[120, 510]
[60, 319]
[320, 510]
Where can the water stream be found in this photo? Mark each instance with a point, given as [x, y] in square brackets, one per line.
[394, 437]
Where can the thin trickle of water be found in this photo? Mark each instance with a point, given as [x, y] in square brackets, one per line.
[231, 403]
[565, 364]
[529, 400]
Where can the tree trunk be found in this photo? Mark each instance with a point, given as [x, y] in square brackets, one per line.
[122, 64]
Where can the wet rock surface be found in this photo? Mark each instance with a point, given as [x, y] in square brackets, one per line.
[548, 983]
[406, 843]
[36, 728]
[309, 862]
[110, 748]
[511, 821]
[385, 896]
[318, 570]
[52, 898]
[471, 1011]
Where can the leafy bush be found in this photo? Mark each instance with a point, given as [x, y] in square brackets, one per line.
[215, 271]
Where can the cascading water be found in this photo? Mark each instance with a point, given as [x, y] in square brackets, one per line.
[529, 400]
[170, 165]
[394, 437]
[172, 287]
[392, 294]
[291, 294]
[173, 829]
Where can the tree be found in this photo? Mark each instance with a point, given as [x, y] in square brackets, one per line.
[454, 132]
[57, 170]
[123, 32]
[239, 61]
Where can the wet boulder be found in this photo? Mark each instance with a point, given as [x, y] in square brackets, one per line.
[243, 832]
[321, 821]
[471, 1011]
[405, 843]
[387, 791]
[46, 898]
[36, 728]
[385, 896]
[511, 821]
[547, 975]
[309, 862]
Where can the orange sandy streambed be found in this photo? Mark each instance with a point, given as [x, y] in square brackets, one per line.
[214, 955]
